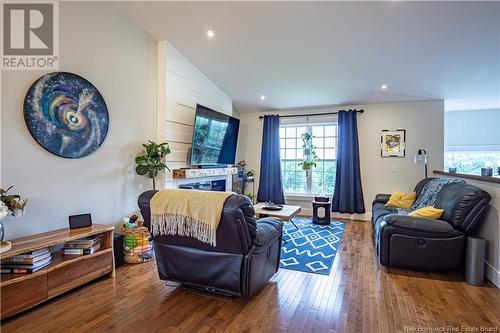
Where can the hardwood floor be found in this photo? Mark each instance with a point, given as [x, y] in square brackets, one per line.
[358, 296]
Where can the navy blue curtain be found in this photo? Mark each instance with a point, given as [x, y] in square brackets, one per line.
[348, 194]
[270, 185]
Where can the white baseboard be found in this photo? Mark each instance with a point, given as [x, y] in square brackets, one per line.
[492, 274]
[358, 217]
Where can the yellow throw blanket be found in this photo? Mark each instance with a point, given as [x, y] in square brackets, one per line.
[188, 213]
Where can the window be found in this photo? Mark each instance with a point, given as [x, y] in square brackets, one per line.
[319, 180]
[472, 140]
[471, 161]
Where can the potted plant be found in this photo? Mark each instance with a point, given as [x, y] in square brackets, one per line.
[250, 174]
[241, 168]
[309, 152]
[250, 196]
[310, 161]
[10, 204]
[307, 143]
[307, 165]
[150, 162]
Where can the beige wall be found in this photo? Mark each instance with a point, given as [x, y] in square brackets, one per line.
[424, 125]
[180, 87]
[100, 43]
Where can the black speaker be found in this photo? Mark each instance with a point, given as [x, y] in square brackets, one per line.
[80, 221]
[474, 261]
[118, 249]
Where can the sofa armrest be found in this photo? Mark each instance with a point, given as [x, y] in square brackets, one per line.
[418, 224]
[381, 198]
[268, 228]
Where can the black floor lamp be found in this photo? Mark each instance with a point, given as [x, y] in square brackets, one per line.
[421, 158]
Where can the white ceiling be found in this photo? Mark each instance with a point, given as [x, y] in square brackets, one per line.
[326, 53]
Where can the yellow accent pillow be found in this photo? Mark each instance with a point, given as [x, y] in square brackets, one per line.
[401, 200]
[428, 212]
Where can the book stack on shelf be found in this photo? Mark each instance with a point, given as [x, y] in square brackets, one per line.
[82, 246]
[26, 263]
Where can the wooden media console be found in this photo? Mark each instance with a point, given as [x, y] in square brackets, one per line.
[19, 292]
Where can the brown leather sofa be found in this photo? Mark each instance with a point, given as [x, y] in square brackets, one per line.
[246, 256]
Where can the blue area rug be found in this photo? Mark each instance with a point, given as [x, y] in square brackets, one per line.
[312, 248]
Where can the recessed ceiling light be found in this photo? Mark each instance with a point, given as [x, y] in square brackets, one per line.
[384, 86]
[210, 34]
[262, 97]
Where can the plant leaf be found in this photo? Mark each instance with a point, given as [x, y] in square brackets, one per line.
[142, 170]
[140, 159]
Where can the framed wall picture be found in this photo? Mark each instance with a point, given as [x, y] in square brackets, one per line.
[66, 115]
[393, 143]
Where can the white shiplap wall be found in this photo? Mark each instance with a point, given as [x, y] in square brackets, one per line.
[180, 87]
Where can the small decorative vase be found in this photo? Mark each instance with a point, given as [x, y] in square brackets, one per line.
[4, 245]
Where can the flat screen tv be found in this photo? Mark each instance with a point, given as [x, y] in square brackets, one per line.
[214, 138]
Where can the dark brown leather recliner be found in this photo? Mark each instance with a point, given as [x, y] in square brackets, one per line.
[246, 256]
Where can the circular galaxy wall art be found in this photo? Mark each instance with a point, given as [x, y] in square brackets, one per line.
[66, 115]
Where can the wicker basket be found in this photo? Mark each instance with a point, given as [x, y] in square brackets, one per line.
[137, 247]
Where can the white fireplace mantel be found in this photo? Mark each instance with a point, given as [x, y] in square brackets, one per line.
[176, 182]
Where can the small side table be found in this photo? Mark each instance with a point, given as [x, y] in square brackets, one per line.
[321, 202]
[287, 213]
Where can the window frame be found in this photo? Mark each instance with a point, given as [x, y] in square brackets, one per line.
[310, 173]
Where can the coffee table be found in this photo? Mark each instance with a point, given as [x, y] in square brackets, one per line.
[287, 213]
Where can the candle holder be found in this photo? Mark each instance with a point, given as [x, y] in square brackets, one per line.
[487, 172]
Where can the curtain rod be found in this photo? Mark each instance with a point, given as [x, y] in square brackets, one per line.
[313, 114]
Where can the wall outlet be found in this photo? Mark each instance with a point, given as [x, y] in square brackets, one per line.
[395, 168]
